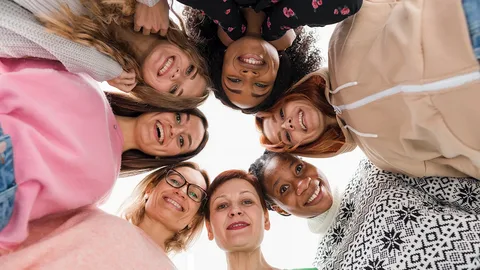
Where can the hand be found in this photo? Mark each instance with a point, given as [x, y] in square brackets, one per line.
[285, 41]
[224, 38]
[125, 82]
[152, 19]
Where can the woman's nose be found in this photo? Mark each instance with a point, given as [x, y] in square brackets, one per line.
[176, 74]
[249, 72]
[288, 124]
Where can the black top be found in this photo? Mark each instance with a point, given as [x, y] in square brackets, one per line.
[281, 15]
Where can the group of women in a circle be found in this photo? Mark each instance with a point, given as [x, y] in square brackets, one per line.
[401, 84]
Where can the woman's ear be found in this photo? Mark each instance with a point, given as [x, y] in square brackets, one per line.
[209, 230]
[267, 220]
[279, 210]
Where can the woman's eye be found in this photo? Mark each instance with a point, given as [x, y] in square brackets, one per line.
[178, 118]
[282, 116]
[298, 169]
[261, 85]
[174, 89]
[193, 195]
[222, 206]
[175, 182]
[247, 202]
[283, 189]
[181, 140]
[189, 70]
[234, 80]
[289, 139]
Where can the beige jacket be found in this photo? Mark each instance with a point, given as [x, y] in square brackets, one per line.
[406, 86]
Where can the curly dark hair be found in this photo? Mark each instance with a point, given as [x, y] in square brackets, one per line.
[298, 60]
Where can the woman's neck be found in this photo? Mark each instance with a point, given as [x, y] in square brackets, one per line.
[141, 45]
[247, 260]
[254, 22]
[156, 231]
[127, 127]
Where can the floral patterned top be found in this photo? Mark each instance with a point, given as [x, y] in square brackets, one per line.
[281, 15]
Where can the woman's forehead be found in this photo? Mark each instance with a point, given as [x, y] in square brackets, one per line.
[192, 176]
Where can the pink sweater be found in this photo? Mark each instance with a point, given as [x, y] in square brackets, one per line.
[86, 238]
[66, 144]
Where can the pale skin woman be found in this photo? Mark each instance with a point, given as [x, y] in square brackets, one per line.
[295, 122]
[237, 219]
[162, 134]
[164, 66]
[292, 186]
[172, 204]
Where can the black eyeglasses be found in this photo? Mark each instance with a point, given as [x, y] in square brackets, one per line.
[176, 180]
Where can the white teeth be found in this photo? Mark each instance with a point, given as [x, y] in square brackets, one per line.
[251, 61]
[174, 203]
[166, 66]
[238, 225]
[162, 134]
[300, 120]
[314, 195]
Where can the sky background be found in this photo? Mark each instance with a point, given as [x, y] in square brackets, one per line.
[234, 144]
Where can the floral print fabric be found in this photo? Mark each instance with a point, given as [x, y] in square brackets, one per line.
[281, 15]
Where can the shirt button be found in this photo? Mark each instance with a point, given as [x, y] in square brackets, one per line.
[115, 126]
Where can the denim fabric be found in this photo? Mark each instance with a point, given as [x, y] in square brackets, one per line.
[472, 13]
[7, 180]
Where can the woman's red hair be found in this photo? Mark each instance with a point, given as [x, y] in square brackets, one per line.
[312, 90]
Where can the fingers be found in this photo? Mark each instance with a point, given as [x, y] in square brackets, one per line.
[137, 27]
[163, 32]
[123, 87]
[128, 75]
[127, 87]
[146, 31]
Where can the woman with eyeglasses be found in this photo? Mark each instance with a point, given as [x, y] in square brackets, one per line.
[165, 214]
[64, 142]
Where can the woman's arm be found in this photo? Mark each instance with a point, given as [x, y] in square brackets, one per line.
[225, 13]
[290, 14]
[24, 36]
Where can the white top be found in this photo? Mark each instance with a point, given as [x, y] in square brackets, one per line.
[23, 36]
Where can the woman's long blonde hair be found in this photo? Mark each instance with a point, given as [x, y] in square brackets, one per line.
[93, 30]
[134, 208]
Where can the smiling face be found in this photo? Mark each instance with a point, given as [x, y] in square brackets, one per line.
[237, 219]
[168, 133]
[171, 206]
[249, 71]
[297, 121]
[168, 69]
[297, 186]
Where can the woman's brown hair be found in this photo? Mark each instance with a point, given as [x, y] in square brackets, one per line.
[226, 176]
[94, 30]
[134, 208]
[312, 90]
[135, 161]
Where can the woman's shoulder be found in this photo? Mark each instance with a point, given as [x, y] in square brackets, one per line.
[88, 238]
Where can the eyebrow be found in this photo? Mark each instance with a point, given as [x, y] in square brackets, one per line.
[235, 91]
[259, 96]
[224, 196]
[278, 180]
[189, 136]
[180, 92]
